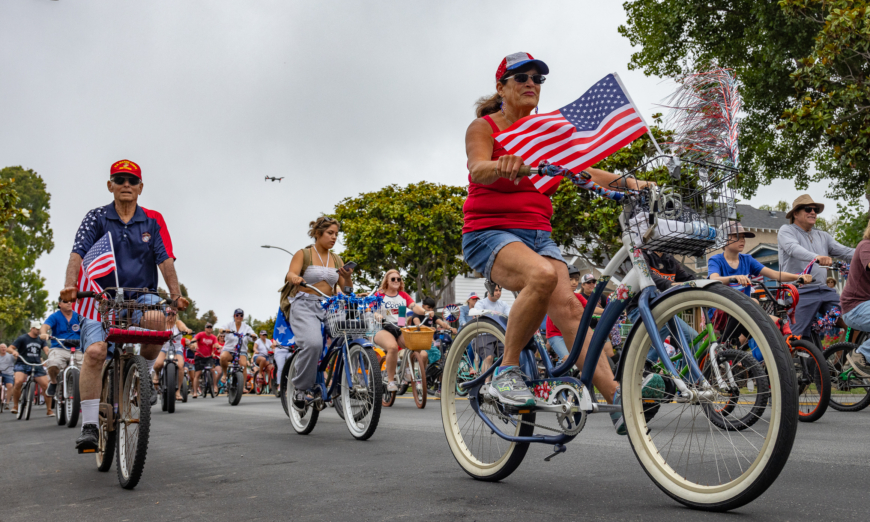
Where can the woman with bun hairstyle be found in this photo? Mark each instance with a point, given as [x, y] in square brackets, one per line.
[317, 266]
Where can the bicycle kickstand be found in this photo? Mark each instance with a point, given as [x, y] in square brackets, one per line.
[558, 448]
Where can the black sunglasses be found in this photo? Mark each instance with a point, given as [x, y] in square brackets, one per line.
[814, 210]
[524, 77]
[120, 179]
[238, 315]
[395, 279]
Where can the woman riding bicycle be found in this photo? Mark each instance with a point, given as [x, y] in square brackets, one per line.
[506, 235]
[392, 289]
[315, 266]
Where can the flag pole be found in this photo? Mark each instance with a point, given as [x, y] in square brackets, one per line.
[112, 247]
[648, 128]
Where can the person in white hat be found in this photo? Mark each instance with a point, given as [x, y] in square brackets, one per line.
[801, 244]
[29, 349]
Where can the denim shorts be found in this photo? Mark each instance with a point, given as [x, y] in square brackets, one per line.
[38, 371]
[92, 331]
[557, 343]
[258, 355]
[481, 247]
[7, 378]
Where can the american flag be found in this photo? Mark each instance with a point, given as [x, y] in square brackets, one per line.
[98, 262]
[579, 134]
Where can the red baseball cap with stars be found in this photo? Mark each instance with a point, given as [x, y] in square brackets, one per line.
[126, 167]
[512, 61]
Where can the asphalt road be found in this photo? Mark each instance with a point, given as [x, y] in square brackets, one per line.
[212, 461]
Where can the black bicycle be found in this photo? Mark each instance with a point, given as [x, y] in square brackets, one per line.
[235, 373]
[28, 392]
[124, 422]
[67, 403]
[169, 377]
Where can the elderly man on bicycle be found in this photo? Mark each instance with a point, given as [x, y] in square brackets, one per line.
[801, 244]
[141, 244]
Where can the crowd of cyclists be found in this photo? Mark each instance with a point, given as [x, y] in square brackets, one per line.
[506, 237]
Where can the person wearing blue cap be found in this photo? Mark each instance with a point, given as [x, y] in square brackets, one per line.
[228, 351]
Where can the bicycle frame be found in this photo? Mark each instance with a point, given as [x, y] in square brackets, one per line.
[339, 344]
[637, 280]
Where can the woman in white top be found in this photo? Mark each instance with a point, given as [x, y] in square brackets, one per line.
[261, 352]
[392, 289]
[228, 351]
[176, 326]
[306, 312]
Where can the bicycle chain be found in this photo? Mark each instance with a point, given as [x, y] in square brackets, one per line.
[573, 431]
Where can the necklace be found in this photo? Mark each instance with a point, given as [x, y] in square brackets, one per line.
[321, 258]
[506, 118]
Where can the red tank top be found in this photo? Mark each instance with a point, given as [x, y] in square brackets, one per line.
[502, 204]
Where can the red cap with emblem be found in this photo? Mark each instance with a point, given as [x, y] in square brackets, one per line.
[126, 167]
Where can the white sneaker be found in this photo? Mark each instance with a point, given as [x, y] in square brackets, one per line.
[392, 386]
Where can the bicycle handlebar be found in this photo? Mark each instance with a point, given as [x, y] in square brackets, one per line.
[306, 285]
[70, 342]
[29, 363]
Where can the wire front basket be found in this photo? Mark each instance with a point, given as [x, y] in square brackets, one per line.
[134, 315]
[355, 316]
[689, 216]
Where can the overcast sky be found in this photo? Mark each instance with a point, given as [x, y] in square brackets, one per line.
[210, 97]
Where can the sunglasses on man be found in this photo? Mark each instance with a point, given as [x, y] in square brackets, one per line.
[538, 79]
[811, 210]
[120, 179]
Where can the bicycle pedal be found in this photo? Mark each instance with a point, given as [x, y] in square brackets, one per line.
[87, 451]
[558, 448]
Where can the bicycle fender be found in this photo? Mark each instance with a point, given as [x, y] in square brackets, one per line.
[488, 315]
[682, 287]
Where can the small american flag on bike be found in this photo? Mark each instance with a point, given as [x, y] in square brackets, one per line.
[98, 262]
[580, 134]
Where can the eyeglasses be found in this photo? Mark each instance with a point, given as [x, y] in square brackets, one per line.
[395, 279]
[523, 78]
[811, 210]
[120, 179]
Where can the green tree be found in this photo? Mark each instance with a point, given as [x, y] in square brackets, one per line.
[803, 69]
[853, 221]
[27, 235]
[781, 206]
[416, 229]
[11, 306]
[588, 224]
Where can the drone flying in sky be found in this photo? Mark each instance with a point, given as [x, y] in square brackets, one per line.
[268, 178]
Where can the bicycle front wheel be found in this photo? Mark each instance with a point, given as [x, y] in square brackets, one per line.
[73, 403]
[170, 383]
[235, 387]
[419, 385]
[478, 450]
[813, 384]
[361, 395]
[134, 422]
[682, 449]
[849, 391]
[29, 398]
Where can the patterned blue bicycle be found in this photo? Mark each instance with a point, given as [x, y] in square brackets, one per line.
[694, 452]
[348, 372]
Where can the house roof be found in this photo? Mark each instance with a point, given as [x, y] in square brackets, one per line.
[751, 217]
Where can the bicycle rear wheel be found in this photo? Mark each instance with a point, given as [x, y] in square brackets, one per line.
[73, 403]
[106, 450]
[185, 387]
[361, 395]
[478, 450]
[849, 391]
[134, 422]
[302, 419]
[681, 449]
[814, 386]
[418, 387]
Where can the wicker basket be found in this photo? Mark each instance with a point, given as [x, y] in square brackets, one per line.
[418, 338]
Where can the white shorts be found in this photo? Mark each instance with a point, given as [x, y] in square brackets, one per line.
[179, 350]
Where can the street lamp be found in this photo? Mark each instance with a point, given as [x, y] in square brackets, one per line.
[279, 248]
